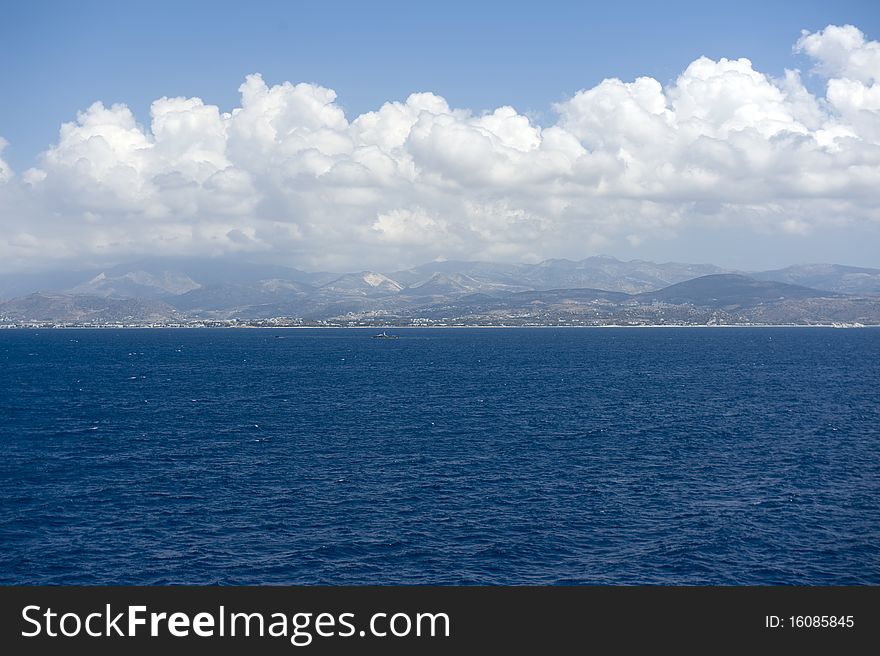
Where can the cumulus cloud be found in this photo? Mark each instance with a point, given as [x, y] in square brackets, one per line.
[842, 52]
[852, 65]
[288, 176]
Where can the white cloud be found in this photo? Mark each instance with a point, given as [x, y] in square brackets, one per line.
[289, 176]
[852, 65]
[842, 52]
[410, 227]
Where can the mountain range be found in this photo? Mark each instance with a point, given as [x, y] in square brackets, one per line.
[594, 290]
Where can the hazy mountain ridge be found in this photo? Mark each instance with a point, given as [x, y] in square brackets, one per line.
[599, 287]
[137, 284]
[713, 299]
[833, 277]
[161, 277]
[86, 309]
[158, 277]
[720, 290]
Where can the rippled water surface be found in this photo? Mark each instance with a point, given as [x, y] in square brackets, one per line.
[733, 456]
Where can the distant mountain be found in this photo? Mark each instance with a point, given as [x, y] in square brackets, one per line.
[488, 274]
[717, 291]
[226, 299]
[156, 278]
[365, 283]
[65, 308]
[137, 284]
[714, 299]
[611, 274]
[442, 284]
[599, 272]
[728, 289]
[833, 277]
[592, 289]
[219, 271]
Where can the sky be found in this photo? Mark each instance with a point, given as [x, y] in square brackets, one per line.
[385, 134]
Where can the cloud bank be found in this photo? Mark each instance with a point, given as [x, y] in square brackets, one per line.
[288, 177]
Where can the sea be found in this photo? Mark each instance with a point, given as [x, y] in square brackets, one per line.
[681, 456]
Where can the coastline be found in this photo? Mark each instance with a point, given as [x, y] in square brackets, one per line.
[436, 327]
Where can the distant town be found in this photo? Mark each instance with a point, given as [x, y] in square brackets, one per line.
[285, 323]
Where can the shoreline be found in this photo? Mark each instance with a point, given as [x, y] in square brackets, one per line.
[455, 327]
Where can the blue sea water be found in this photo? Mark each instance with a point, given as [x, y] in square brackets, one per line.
[512, 456]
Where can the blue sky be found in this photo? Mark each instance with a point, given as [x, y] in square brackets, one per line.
[551, 129]
[62, 56]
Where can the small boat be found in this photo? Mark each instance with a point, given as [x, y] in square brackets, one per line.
[384, 335]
